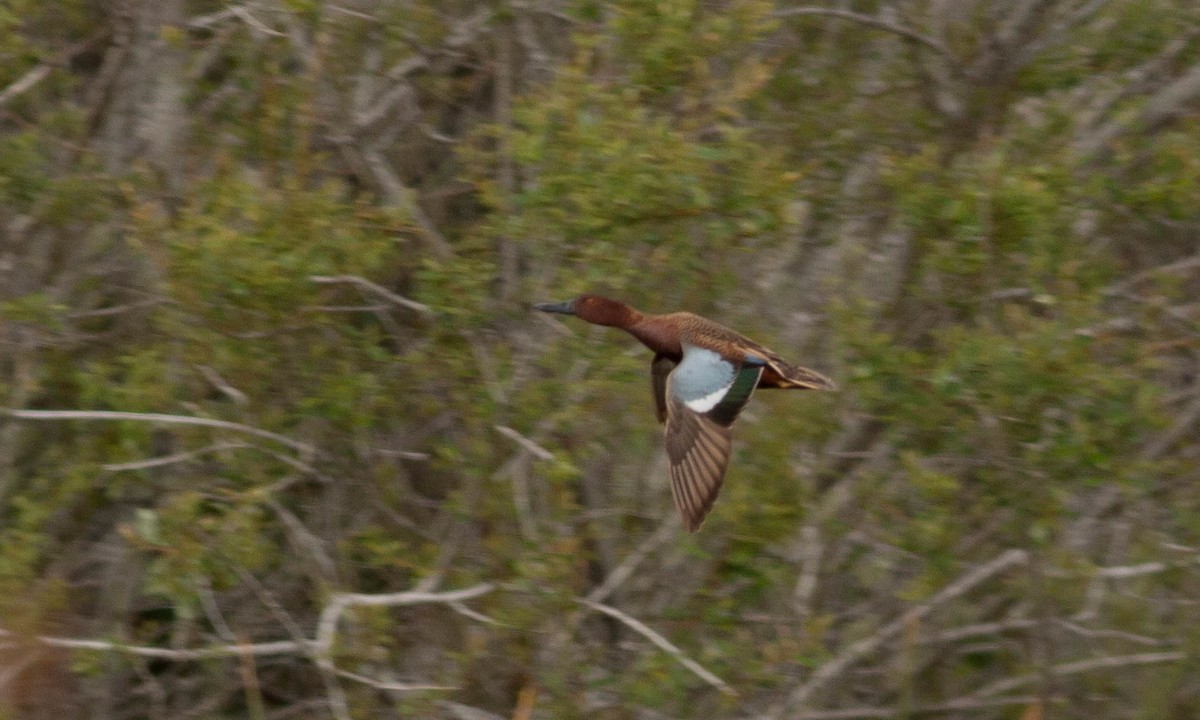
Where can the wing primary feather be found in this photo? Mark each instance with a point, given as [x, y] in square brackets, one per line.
[710, 452]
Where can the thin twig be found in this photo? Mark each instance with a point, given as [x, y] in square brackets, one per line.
[538, 451]
[171, 459]
[1082, 666]
[1182, 428]
[305, 539]
[157, 418]
[220, 383]
[886, 713]
[322, 643]
[25, 83]
[967, 632]
[870, 21]
[1161, 107]
[390, 684]
[375, 288]
[663, 643]
[277, 647]
[254, 23]
[332, 614]
[622, 572]
[866, 646]
[810, 566]
[1176, 267]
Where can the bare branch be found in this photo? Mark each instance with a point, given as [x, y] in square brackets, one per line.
[538, 451]
[305, 539]
[113, 415]
[390, 684]
[254, 23]
[810, 566]
[170, 459]
[1160, 109]
[622, 572]
[332, 614]
[1061, 30]
[317, 649]
[967, 632]
[220, 383]
[203, 22]
[663, 643]
[866, 646]
[375, 288]
[1108, 633]
[25, 83]
[393, 191]
[1083, 666]
[1178, 267]
[870, 21]
[886, 713]
[1183, 427]
[278, 647]
[465, 712]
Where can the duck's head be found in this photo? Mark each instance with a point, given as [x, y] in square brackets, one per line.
[595, 309]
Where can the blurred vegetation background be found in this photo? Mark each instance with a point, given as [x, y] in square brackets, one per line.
[282, 438]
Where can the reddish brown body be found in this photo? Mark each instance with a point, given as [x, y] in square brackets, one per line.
[698, 425]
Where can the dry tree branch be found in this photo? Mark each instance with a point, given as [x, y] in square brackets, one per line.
[622, 572]
[458, 711]
[221, 384]
[1117, 572]
[114, 415]
[870, 21]
[517, 469]
[392, 190]
[318, 646]
[990, 696]
[1061, 30]
[1177, 267]
[1161, 108]
[256, 26]
[304, 539]
[1183, 427]
[663, 643]
[277, 647]
[390, 684]
[172, 459]
[866, 646]
[967, 632]
[887, 713]
[1110, 633]
[332, 614]
[666, 529]
[1081, 666]
[810, 567]
[41, 71]
[317, 649]
[375, 288]
[535, 449]
[25, 83]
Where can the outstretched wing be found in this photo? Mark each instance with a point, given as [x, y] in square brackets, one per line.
[704, 396]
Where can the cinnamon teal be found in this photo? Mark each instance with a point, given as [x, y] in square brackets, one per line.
[702, 374]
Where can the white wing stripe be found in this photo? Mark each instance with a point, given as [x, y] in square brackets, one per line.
[709, 401]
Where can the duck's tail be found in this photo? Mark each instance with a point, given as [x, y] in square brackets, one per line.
[782, 374]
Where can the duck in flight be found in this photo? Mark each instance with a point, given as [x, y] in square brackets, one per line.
[703, 374]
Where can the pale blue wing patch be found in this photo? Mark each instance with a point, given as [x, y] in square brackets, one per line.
[702, 379]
